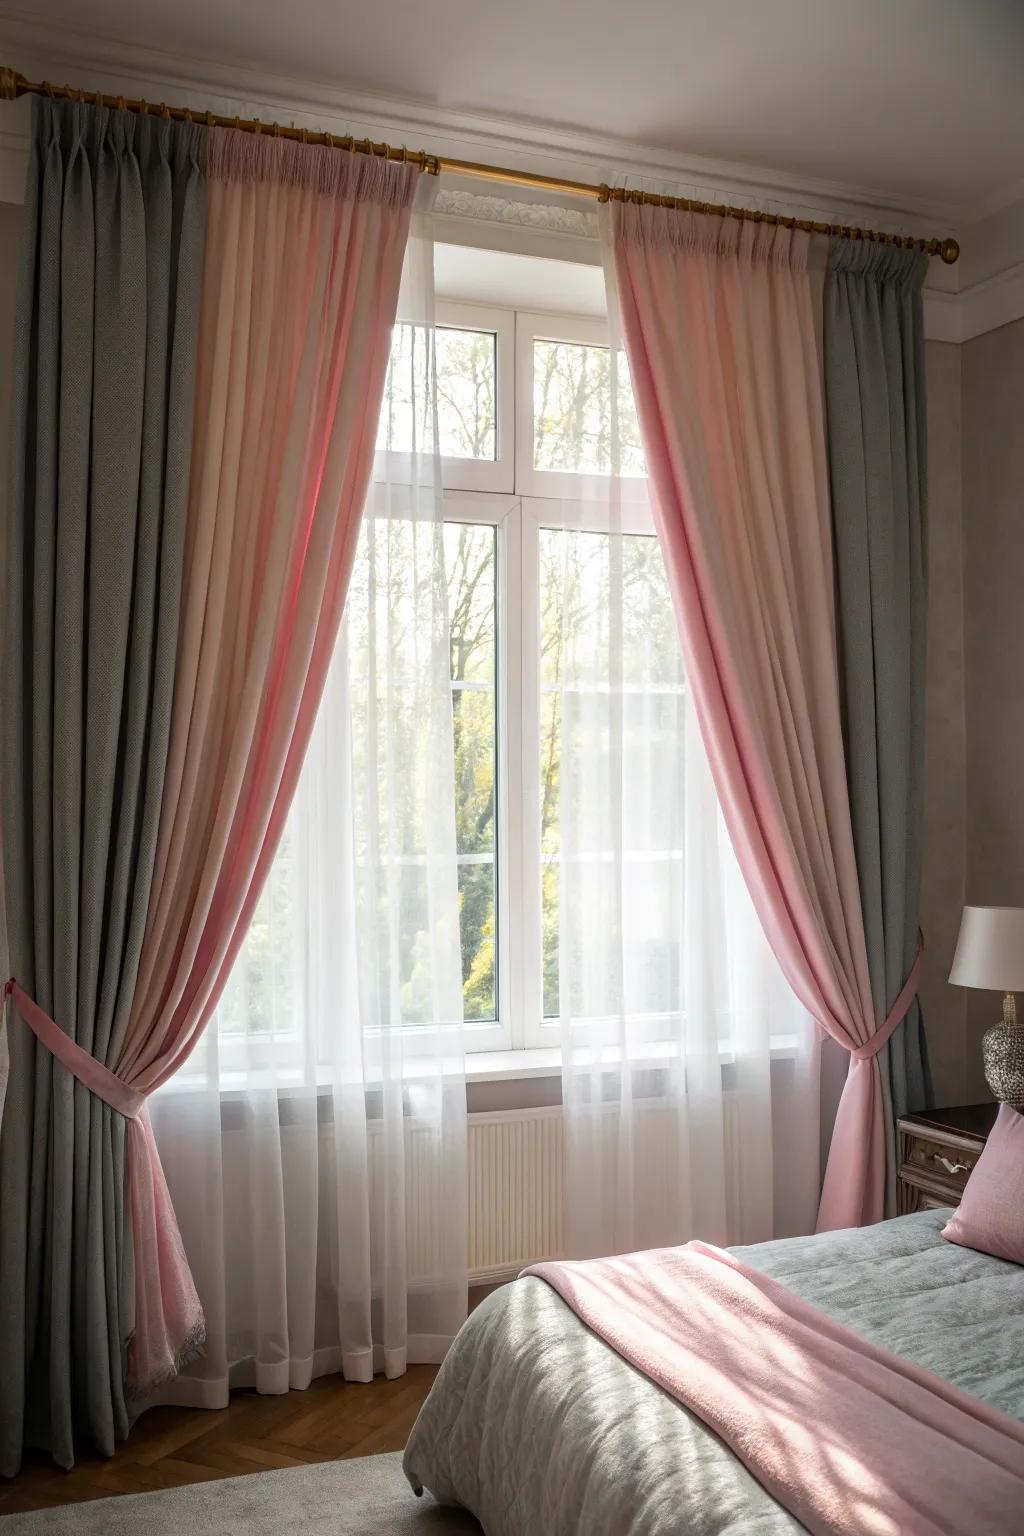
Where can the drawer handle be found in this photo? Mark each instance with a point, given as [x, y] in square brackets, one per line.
[937, 1157]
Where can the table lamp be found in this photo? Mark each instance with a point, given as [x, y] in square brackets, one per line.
[990, 954]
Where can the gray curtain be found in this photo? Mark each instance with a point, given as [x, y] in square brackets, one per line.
[874, 384]
[101, 423]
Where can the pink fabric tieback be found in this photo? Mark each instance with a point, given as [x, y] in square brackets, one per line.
[79, 1063]
[898, 1012]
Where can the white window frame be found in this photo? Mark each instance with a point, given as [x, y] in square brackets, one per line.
[580, 330]
[501, 512]
[587, 517]
[509, 495]
[457, 474]
[497, 474]
[535, 499]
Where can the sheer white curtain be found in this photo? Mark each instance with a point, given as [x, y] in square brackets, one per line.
[689, 1070]
[315, 1145]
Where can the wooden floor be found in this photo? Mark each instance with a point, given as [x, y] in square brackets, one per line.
[172, 1446]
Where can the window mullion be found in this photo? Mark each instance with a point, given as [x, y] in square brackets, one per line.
[510, 781]
[531, 968]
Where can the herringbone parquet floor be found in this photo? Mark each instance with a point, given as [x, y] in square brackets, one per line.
[171, 1446]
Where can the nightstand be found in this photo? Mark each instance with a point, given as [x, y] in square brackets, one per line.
[938, 1149]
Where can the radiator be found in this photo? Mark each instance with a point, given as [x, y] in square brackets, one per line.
[516, 1191]
[517, 1180]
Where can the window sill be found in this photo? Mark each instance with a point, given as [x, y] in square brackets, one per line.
[507, 1066]
[546, 1061]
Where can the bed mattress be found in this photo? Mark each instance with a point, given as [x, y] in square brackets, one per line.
[541, 1429]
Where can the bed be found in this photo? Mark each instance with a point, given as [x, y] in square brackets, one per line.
[540, 1429]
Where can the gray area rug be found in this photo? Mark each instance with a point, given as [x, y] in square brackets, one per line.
[366, 1496]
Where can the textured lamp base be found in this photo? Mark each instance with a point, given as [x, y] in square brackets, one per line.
[1002, 1051]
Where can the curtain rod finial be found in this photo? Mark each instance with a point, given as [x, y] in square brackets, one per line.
[9, 82]
[949, 250]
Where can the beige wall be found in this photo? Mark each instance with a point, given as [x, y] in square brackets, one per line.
[993, 522]
[943, 869]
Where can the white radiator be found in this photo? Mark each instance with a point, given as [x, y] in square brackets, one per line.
[517, 1181]
[516, 1191]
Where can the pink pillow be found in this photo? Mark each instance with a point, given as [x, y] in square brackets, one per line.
[991, 1214]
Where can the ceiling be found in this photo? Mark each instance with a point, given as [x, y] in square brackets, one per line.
[915, 100]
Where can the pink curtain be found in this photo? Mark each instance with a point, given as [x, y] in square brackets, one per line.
[303, 263]
[719, 330]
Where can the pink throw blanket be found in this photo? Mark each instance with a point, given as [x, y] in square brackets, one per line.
[850, 1439]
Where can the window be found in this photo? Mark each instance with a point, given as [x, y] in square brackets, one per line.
[528, 473]
[575, 414]
[584, 579]
[573, 411]
[473, 359]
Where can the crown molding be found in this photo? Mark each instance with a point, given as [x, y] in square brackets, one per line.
[104, 63]
[990, 304]
[534, 221]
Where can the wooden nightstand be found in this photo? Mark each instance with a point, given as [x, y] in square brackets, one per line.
[938, 1149]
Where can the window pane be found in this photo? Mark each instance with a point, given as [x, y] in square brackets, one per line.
[603, 597]
[466, 386]
[574, 427]
[466, 374]
[479, 946]
[472, 591]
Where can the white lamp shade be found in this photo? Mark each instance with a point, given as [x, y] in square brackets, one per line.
[990, 949]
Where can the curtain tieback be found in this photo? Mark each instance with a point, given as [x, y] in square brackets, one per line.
[898, 1012]
[95, 1076]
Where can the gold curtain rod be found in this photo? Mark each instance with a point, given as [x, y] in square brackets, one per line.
[13, 85]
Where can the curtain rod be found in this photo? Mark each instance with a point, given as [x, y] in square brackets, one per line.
[13, 85]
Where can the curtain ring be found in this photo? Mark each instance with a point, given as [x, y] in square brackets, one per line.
[209, 119]
[48, 88]
[188, 114]
[275, 129]
[257, 126]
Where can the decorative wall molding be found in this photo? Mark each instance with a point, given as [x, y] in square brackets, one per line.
[552, 218]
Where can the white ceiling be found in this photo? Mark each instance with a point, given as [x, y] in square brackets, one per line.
[916, 100]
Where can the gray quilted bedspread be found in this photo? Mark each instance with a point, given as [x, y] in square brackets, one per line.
[541, 1429]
